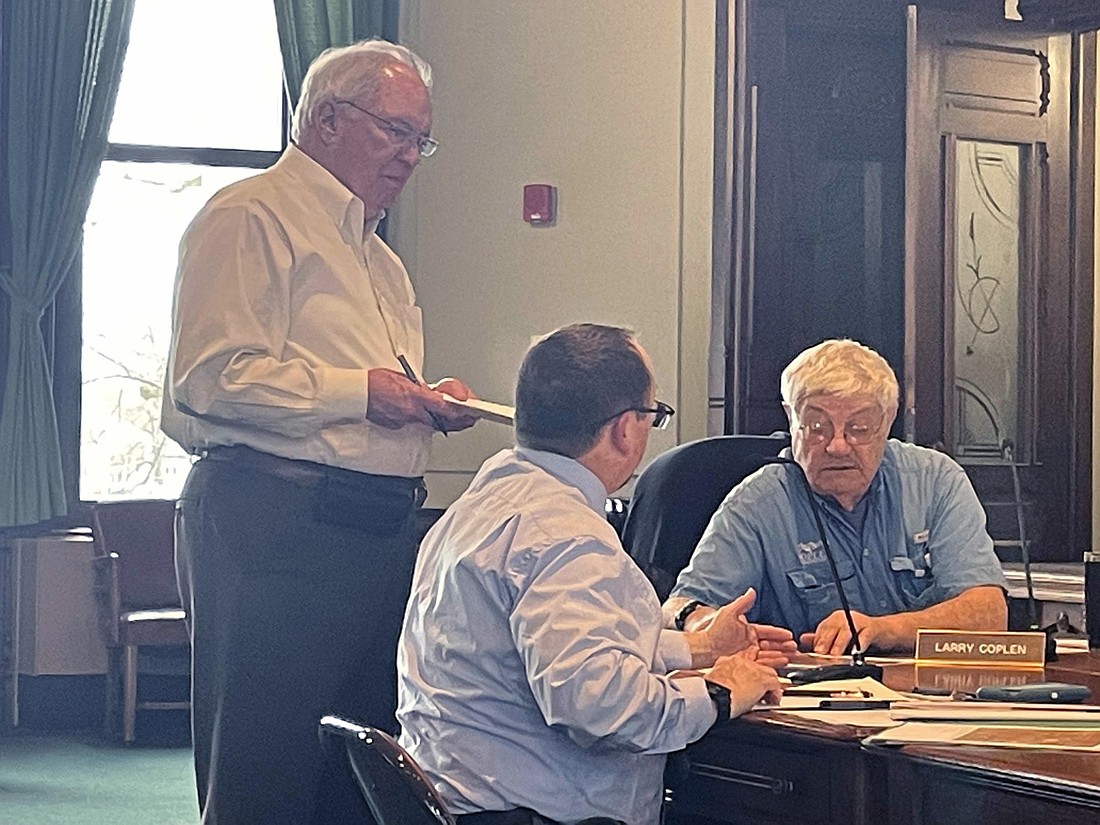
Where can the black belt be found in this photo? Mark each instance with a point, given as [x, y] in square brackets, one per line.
[523, 816]
[342, 492]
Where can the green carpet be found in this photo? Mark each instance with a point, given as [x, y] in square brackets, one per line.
[77, 779]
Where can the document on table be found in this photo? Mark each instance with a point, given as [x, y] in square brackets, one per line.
[489, 410]
[1069, 736]
[804, 702]
[1016, 713]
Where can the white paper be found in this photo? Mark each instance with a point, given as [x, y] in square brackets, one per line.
[1030, 737]
[489, 410]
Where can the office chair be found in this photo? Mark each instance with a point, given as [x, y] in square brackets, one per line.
[394, 786]
[676, 495]
[139, 601]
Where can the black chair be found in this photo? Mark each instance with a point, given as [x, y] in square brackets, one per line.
[677, 494]
[394, 786]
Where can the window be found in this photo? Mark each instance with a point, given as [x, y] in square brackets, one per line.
[200, 105]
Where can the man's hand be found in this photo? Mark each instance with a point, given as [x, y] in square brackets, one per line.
[981, 607]
[833, 637]
[394, 401]
[725, 631]
[747, 681]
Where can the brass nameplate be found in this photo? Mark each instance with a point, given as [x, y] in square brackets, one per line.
[970, 647]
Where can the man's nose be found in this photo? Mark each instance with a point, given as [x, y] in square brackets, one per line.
[838, 444]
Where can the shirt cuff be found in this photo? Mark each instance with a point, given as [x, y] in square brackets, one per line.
[672, 646]
[343, 394]
[700, 707]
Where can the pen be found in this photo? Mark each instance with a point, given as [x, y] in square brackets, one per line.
[854, 704]
[407, 367]
[829, 694]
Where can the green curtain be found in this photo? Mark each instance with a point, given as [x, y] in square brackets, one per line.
[308, 27]
[64, 59]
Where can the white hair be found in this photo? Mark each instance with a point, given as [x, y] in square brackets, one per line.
[350, 71]
[839, 367]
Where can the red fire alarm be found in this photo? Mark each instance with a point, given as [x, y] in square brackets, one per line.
[539, 204]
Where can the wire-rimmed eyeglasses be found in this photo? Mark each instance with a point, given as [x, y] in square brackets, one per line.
[425, 145]
[662, 413]
[859, 431]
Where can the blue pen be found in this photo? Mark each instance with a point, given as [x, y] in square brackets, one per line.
[407, 367]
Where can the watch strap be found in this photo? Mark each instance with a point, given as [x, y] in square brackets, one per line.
[720, 695]
[685, 611]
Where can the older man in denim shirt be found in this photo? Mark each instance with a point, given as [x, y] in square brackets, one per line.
[903, 522]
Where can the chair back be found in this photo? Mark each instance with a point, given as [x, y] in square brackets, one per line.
[141, 534]
[676, 495]
[395, 788]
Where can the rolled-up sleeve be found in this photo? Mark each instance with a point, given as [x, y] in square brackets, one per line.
[728, 559]
[959, 547]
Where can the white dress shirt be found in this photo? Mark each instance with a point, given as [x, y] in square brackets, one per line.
[284, 299]
[531, 667]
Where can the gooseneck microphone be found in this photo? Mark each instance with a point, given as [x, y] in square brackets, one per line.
[859, 667]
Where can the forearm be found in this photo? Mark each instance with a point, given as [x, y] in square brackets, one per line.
[979, 608]
[291, 398]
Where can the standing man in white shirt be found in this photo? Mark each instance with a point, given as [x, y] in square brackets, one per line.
[533, 671]
[295, 548]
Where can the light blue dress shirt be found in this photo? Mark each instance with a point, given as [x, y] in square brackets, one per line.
[923, 541]
[531, 667]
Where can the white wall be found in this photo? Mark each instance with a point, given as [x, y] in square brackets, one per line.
[611, 101]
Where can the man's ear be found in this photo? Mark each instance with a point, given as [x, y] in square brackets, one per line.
[619, 432]
[326, 121]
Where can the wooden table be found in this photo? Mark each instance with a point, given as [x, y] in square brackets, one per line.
[775, 768]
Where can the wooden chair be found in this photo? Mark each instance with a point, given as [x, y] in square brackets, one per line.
[140, 603]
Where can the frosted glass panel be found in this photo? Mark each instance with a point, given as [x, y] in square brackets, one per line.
[987, 297]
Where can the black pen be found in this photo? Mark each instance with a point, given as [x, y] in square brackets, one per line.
[407, 367]
[854, 704]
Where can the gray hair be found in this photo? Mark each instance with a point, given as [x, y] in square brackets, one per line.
[839, 367]
[350, 71]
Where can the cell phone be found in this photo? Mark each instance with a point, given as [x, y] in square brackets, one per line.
[1053, 692]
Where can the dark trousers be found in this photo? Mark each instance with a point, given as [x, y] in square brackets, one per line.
[296, 583]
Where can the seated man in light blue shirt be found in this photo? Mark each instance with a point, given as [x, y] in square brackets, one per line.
[533, 671]
[903, 522]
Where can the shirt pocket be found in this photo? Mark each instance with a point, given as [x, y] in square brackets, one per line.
[815, 588]
[912, 572]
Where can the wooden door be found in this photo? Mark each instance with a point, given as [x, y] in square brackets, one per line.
[998, 307]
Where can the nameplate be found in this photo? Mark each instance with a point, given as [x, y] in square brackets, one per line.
[969, 647]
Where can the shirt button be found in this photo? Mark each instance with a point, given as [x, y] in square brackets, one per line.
[866, 552]
[882, 603]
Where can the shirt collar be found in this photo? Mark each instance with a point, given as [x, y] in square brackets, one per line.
[568, 471]
[336, 200]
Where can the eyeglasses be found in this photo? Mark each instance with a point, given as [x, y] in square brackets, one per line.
[662, 414]
[859, 431]
[425, 145]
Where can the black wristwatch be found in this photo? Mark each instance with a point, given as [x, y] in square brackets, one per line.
[721, 697]
[685, 611]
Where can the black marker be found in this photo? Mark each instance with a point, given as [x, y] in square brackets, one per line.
[407, 367]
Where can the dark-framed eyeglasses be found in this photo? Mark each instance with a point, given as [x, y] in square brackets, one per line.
[397, 133]
[858, 431]
[662, 413]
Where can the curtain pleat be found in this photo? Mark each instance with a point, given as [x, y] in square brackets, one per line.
[308, 27]
[64, 62]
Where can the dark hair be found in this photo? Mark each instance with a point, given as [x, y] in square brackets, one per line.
[573, 381]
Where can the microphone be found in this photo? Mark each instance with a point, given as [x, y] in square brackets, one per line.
[1025, 557]
[858, 667]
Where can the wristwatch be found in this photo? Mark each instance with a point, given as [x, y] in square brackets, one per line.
[685, 611]
[720, 695]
